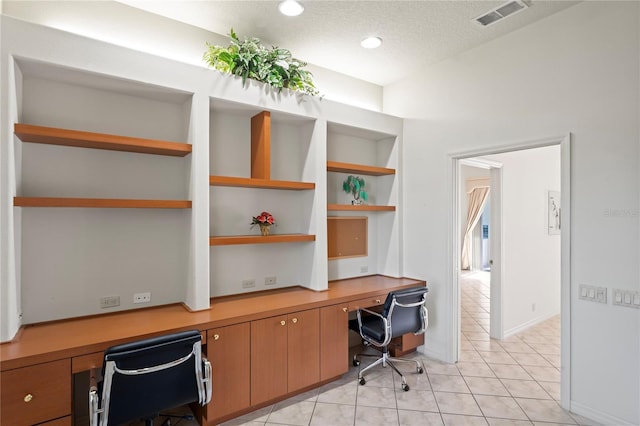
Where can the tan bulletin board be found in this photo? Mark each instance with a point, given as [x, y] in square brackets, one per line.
[347, 236]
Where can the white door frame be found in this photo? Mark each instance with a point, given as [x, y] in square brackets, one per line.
[458, 158]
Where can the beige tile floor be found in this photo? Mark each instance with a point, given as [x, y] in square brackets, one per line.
[497, 383]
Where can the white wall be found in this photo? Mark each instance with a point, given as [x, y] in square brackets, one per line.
[531, 257]
[576, 71]
[127, 26]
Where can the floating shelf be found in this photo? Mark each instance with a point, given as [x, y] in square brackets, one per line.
[349, 207]
[100, 203]
[80, 139]
[259, 183]
[334, 166]
[259, 239]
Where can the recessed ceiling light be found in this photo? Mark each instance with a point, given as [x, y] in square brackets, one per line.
[290, 8]
[371, 42]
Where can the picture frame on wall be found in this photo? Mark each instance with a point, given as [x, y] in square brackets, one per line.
[554, 213]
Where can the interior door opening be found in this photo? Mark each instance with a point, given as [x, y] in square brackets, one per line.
[495, 311]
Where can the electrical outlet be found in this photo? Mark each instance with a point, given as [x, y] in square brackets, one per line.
[533, 307]
[109, 301]
[142, 297]
[248, 283]
[270, 280]
[364, 269]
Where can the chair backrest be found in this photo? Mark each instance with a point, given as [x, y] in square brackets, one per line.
[405, 310]
[142, 378]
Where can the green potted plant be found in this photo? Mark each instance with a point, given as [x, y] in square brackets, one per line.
[251, 59]
[354, 185]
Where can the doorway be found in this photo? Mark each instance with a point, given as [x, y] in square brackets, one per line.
[508, 322]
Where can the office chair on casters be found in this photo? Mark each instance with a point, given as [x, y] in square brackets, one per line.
[140, 379]
[404, 312]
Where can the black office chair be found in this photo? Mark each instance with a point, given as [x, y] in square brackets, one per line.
[404, 312]
[140, 379]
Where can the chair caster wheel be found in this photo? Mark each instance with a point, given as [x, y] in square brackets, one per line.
[420, 370]
[405, 387]
[362, 381]
[356, 362]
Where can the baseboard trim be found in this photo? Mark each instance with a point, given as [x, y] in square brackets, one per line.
[530, 323]
[597, 416]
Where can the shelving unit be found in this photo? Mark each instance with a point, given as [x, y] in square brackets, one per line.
[338, 167]
[372, 155]
[103, 189]
[241, 182]
[262, 150]
[259, 239]
[132, 208]
[100, 203]
[80, 139]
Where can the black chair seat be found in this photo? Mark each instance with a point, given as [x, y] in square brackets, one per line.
[372, 326]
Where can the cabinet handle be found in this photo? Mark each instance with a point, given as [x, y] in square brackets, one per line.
[28, 397]
[283, 322]
[345, 309]
[378, 301]
[216, 336]
[295, 320]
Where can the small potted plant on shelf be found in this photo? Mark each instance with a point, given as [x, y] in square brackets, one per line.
[354, 185]
[265, 221]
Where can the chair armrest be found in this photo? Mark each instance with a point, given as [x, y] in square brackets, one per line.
[93, 397]
[387, 327]
[206, 367]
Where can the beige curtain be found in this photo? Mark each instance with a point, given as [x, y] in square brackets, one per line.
[477, 199]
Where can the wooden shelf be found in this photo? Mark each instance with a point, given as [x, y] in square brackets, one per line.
[80, 139]
[259, 183]
[259, 239]
[361, 208]
[335, 166]
[100, 203]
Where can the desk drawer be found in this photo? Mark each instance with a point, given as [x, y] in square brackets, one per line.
[35, 394]
[367, 302]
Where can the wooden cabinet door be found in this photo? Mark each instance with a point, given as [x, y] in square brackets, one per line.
[303, 349]
[228, 352]
[334, 341]
[268, 358]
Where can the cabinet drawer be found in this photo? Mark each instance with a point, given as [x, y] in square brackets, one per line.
[35, 394]
[367, 302]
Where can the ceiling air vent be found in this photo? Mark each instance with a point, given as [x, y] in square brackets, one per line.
[501, 12]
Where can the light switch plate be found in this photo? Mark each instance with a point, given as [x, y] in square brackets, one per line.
[592, 293]
[626, 298]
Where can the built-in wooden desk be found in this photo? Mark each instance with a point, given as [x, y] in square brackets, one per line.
[263, 346]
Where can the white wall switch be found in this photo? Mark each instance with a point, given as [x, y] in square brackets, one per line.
[617, 297]
[601, 295]
[626, 298]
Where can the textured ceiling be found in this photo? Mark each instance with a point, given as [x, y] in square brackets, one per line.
[328, 33]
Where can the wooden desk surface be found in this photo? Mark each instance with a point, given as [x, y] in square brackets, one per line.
[50, 341]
